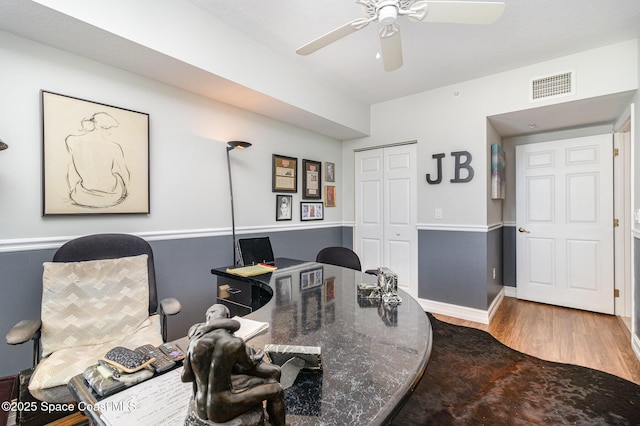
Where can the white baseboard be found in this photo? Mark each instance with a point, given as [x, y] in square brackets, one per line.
[510, 291]
[463, 312]
[496, 304]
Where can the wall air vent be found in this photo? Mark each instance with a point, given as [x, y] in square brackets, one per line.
[552, 86]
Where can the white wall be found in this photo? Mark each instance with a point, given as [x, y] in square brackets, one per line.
[453, 118]
[188, 134]
[199, 39]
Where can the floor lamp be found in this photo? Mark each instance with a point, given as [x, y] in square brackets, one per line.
[231, 146]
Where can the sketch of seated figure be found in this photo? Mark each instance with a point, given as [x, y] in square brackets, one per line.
[97, 173]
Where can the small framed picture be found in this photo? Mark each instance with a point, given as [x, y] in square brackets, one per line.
[283, 207]
[311, 210]
[311, 180]
[284, 176]
[329, 172]
[330, 196]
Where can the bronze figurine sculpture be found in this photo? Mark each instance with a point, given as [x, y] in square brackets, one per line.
[229, 378]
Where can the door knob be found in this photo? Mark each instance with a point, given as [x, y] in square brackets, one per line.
[521, 229]
[397, 234]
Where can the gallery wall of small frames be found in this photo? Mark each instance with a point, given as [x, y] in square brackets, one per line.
[284, 182]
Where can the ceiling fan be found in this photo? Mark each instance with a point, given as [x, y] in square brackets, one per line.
[386, 13]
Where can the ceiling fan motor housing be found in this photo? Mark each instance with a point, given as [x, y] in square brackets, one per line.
[387, 15]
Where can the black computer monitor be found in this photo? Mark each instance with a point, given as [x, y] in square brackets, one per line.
[255, 250]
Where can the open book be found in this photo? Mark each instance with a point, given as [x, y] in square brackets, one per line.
[249, 328]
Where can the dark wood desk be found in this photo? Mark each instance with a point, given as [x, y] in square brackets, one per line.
[372, 357]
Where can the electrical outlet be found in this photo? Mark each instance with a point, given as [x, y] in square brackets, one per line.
[438, 213]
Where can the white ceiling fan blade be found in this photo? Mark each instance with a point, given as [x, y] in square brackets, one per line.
[391, 50]
[333, 36]
[457, 12]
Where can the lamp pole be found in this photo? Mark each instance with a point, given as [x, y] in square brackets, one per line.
[231, 146]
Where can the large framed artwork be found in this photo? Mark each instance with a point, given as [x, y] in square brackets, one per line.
[311, 179]
[95, 157]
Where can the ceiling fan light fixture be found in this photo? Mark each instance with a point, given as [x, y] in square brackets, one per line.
[388, 30]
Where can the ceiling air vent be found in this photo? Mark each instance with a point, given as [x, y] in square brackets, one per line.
[552, 86]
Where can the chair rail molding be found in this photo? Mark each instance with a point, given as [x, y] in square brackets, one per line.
[43, 243]
[459, 228]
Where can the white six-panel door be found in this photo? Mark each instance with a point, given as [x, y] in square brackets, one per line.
[386, 212]
[369, 205]
[564, 212]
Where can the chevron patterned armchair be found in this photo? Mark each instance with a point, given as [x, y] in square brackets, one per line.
[98, 292]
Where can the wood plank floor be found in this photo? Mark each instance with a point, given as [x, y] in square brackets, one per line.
[563, 335]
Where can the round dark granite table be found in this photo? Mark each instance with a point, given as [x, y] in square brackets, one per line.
[372, 356]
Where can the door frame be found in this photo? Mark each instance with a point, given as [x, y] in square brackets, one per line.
[623, 210]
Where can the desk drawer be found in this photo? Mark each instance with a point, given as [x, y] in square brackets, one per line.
[235, 291]
[235, 295]
[235, 308]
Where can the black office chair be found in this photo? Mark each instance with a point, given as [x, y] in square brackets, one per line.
[82, 299]
[339, 256]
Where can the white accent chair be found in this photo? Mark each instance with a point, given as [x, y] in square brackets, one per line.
[99, 292]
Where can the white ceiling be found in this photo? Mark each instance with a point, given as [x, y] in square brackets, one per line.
[435, 55]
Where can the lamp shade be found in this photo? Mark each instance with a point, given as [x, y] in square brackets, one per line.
[238, 144]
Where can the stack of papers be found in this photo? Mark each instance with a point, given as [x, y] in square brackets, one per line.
[163, 399]
[252, 270]
[249, 328]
